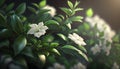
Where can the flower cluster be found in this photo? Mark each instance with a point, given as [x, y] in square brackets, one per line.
[37, 30]
[77, 39]
[102, 26]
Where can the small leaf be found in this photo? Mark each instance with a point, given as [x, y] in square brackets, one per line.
[89, 12]
[55, 51]
[36, 5]
[19, 44]
[70, 4]
[62, 36]
[42, 3]
[16, 24]
[58, 19]
[78, 9]
[5, 33]
[76, 4]
[51, 22]
[28, 52]
[48, 38]
[9, 7]
[76, 18]
[67, 11]
[2, 2]
[2, 20]
[21, 8]
[32, 9]
[54, 44]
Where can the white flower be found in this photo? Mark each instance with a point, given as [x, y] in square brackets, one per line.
[101, 47]
[102, 26]
[96, 49]
[77, 39]
[52, 10]
[57, 66]
[115, 66]
[79, 66]
[37, 30]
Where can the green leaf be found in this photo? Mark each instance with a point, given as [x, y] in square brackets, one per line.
[54, 44]
[32, 9]
[76, 18]
[2, 20]
[28, 52]
[67, 11]
[78, 9]
[5, 33]
[51, 22]
[36, 5]
[4, 43]
[9, 7]
[19, 44]
[42, 3]
[74, 51]
[89, 12]
[21, 8]
[62, 36]
[48, 38]
[76, 4]
[82, 48]
[86, 26]
[2, 2]
[55, 51]
[58, 19]
[70, 4]
[16, 24]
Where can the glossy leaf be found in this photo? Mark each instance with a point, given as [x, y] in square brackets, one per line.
[51, 22]
[28, 52]
[55, 51]
[5, 33]
[89, 12]
[70, 4]
[42, 3]
[19, 44]
[16, 24]
[21, 8]
[62, 36]
[9, 7]
[71, 49]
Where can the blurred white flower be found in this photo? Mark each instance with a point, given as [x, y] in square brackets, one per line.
[52, 10]
[115, 66]
[79, 66]
[96, 49]
[77, 39]
[37, 30]
[101, 47]
[101, 26]
[14, 66]
[57, 66]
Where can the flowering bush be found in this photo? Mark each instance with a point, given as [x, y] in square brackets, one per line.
[39, 39]
[43, 39]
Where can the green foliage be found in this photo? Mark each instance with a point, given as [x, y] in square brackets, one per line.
[24, 49]
[19, 44]
[21, 8]
[89, 12]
